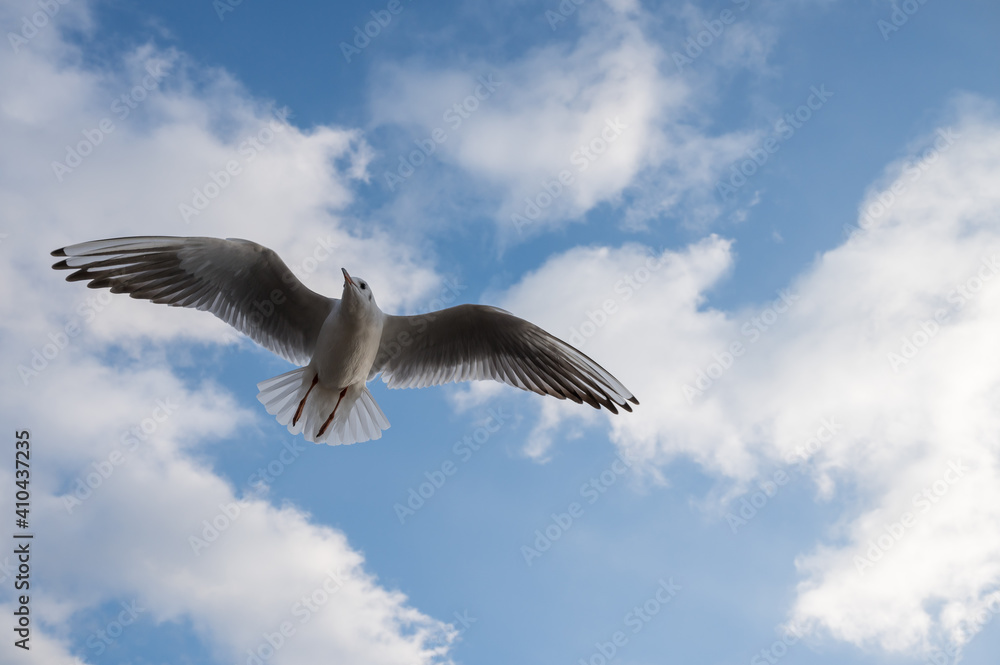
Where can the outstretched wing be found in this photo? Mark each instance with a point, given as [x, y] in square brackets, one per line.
[245, 284]
[472, 342]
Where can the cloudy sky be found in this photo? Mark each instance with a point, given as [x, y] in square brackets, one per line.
[778, 223]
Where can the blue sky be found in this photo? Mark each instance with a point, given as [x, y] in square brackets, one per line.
[814, 350]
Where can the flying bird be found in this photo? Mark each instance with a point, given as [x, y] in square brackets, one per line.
[342, 344]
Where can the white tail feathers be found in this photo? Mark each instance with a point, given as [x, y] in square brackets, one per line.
[358, 418]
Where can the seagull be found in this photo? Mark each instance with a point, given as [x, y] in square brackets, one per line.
[339, 345]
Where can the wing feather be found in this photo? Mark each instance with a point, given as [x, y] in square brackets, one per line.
[475, 342]
[245, 284]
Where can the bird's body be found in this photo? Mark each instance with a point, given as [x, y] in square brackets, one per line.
[341, 344]
[348, 342]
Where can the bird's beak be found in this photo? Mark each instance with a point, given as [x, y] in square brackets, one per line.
[347, 277]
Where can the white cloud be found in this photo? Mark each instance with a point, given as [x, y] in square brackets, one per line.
[139, 530]
[130, 537]
[820, 351]
[890, 338]
[600, 111]
[172, 150]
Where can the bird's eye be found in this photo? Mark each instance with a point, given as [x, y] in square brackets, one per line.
[363, 286]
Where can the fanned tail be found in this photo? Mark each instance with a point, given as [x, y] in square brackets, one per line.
[357, 417]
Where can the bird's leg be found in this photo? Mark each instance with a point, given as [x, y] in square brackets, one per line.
[328, 420]
[302, 404]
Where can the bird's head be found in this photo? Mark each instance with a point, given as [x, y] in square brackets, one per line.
[357, 292]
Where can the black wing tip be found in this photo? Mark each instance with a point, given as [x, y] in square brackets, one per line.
[624, 405]
[58, 252]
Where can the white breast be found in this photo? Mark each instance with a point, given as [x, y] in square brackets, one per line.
[347, 346]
